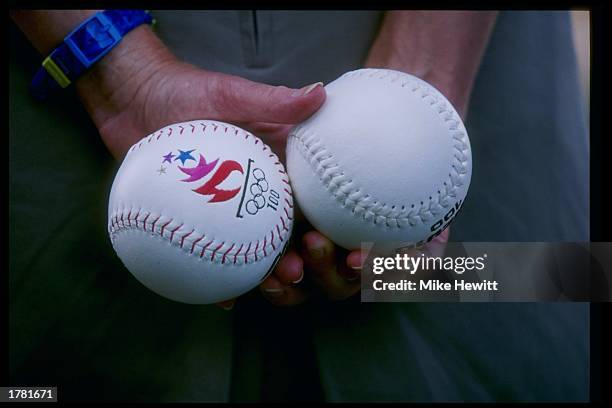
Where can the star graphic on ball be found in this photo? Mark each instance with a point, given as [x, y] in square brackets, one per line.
[168, 158]
[184, 156]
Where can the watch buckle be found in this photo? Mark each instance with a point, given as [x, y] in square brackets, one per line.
[93, 39]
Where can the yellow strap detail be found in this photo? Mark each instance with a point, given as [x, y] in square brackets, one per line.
[56, 72]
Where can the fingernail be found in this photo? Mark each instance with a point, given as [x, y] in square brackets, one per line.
[355, 262]
[306, 90]
[274, 292]
[311, 88]
[300, 278]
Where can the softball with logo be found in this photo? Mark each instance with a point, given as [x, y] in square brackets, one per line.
[386, 159]
[200, 212]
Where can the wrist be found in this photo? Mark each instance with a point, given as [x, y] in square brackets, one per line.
[443, 48]
[456, 88]
[117, 79]
[452, 80]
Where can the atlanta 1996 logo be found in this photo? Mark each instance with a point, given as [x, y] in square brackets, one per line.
[254, 190]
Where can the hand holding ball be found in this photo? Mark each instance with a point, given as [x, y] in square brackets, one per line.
[201, 211]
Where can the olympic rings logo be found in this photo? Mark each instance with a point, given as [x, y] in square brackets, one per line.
[260, 186]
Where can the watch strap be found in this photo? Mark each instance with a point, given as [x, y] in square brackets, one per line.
[83, 47]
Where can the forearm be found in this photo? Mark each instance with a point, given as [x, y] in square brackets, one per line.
[47, 28]
[119, 73]
[444, 48]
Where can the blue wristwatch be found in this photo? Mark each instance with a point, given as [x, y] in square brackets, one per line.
[83, 47]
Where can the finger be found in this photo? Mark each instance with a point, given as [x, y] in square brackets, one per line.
[241, 100]
[290, 269]
[319, 255]
[355, 259]
[270, 132]
[227, 304]
[354, 264]
[437, 246]
[281, 295]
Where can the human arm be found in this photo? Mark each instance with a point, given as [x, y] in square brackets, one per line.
[140, 86]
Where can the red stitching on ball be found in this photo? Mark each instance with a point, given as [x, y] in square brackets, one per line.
[185, 236]
[173, 231]
[288, 203]
[286, 182]
[164, 226]
[237, 253]
[116, 218]
[153, 225]
[204, 248]
[279, 233]
[226, 252]
[170, 132]
[144, 222]
[182, 128]
[212, 257]
[192, 128]
[195, 242]
[246, 259]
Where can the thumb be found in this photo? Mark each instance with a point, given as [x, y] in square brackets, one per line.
[240, 100]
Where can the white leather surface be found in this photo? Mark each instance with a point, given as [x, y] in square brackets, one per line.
[385, 159]
[176, 241]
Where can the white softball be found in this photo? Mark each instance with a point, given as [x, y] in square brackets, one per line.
[386, 159]
[200, 211]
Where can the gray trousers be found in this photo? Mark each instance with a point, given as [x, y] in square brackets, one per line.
[79, 320]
